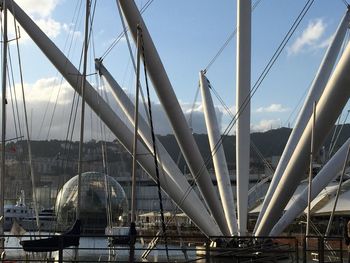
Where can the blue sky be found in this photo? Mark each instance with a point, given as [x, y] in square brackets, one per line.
[187, 35]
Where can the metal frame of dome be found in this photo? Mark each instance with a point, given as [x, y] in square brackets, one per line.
[94, 202]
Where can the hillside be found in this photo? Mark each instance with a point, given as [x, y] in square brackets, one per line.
[269, 143]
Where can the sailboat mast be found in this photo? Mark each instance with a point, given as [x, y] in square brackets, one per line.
[136, 122]
[3, 134]
[82, 117]
[243, 110]
[311, 171]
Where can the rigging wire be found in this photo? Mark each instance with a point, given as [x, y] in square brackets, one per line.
[154, 147]
[189, 120]
[122, 34]
[75, 17]
[345, 3]
[339, 132]
[76, 99]
[192, 108]
[72, 113]
[262, 181]
[228, 40]
[296, 109]
[333, 137]
[12, 90]
[15, 96]
[254, 147]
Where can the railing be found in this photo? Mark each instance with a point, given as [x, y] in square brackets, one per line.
[94, 248]
[324, 249]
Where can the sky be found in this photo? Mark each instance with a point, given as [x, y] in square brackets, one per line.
[187, 35]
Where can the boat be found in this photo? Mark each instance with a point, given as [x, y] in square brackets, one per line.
[17, 212]
[56, 242]
[25, 216]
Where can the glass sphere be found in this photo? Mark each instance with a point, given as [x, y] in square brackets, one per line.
[103, 203]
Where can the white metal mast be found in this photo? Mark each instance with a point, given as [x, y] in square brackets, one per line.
[132, 230]
[311, 165]
[219, 158]
[174, 187]
[330, 105]
[243, 110]
[3, 133]
[175, 115]
[314, 94]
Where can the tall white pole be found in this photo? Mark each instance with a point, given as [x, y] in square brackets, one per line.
[243, 109]
[3, 133]
[218, 154]
[328, 172]
[314, 94]
[136, 129]
[134, 152]
[330, 105]
[176, 188]
[175, 115]
[312, 152]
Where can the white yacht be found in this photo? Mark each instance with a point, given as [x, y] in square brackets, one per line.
[18, 212]
[25, 216]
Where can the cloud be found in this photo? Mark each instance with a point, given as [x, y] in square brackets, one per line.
[309, 37]
[38, 8]
[272, 108]
[265, 125]
[325, 43]
[41, 99]
[69, 28]
[44, 90]
[49, 26]
[40, 11]
[195, 118]
[229, 111]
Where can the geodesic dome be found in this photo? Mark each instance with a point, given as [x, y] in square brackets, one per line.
[97, 207]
